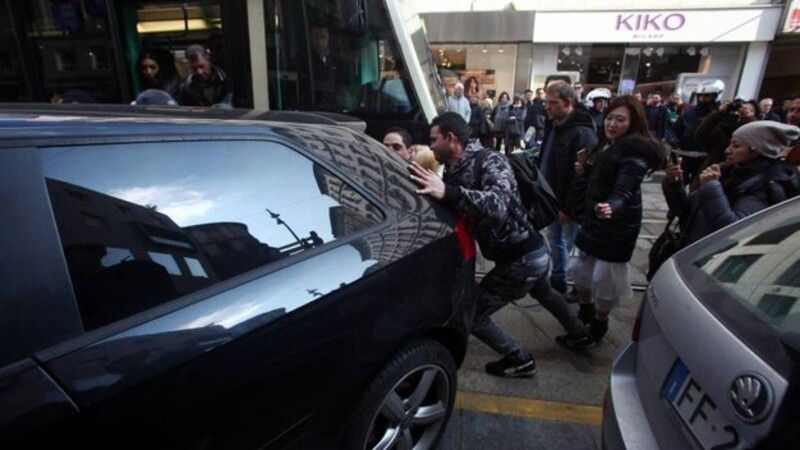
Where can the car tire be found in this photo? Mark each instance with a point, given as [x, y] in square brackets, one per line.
[408, 404]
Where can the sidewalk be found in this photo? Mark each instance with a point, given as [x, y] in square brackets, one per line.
[565, 375]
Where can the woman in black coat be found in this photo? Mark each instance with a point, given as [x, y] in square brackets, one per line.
[612, 214]
[752, 178]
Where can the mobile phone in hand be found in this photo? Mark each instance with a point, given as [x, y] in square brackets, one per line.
[582, 156]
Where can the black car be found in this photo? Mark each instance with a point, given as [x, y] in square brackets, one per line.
[176, 283]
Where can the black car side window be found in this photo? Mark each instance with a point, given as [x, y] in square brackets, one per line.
[142, 224]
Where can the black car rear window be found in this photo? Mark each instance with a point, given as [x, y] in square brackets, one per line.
[749, 277]
[142, 224]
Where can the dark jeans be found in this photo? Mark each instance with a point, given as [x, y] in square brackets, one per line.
[506, 282]
[555, 304]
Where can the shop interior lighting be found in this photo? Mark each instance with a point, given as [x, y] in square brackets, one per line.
[579, 50]
[566, 50]
[500, 50]
[485, 51]
[648, 51]
[691, 51]
[660, 51]
[704, 51]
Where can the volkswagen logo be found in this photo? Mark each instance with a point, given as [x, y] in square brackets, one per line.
[751, 397]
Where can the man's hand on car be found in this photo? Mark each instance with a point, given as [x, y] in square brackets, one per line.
[429, 182]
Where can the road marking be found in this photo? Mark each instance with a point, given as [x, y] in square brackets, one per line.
[534, 409]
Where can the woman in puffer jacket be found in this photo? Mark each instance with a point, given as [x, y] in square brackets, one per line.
[612, 215]
[752, 178]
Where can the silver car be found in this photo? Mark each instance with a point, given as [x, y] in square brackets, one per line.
[713, 362]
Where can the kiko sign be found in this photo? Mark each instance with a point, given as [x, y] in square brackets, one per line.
[650, 22]
[690, 26]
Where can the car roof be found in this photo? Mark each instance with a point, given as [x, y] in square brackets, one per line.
[355, 154]
[171, 114]
[35, 126]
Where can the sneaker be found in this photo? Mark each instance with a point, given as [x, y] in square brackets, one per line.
[512, 367]
[586, 313]
[559, 284]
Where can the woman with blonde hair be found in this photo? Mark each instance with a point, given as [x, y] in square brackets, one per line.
[424, 156]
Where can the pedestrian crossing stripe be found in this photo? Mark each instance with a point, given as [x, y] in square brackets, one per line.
[530, 408]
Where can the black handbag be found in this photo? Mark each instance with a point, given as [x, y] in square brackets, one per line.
[672, 239]
[665, 246]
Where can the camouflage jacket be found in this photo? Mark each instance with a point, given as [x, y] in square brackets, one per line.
[498, 220]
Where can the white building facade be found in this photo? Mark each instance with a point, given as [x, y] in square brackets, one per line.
[627, 46]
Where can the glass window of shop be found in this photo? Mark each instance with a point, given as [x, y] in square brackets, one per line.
[338, 56]
[636, 68]
[73, 47]
[484, 70]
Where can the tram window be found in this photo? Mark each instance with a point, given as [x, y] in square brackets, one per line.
[74, 50]
[12, 88]
[336, 56]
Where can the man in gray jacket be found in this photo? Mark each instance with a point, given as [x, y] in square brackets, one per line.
[459, 104]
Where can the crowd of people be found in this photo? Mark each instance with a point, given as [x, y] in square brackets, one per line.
[722, 160]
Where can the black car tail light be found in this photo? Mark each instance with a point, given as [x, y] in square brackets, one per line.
[464, 236]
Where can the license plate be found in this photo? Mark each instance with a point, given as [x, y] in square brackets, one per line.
[698, 411]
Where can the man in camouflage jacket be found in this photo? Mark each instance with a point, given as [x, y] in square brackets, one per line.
[480, 183]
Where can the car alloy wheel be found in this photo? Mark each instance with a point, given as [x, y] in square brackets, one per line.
[413, 411]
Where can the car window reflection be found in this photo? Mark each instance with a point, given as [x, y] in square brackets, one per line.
[143, 224]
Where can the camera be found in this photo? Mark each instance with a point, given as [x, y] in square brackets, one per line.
[734, 106]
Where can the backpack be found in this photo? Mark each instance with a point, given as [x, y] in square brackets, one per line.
[537, 197]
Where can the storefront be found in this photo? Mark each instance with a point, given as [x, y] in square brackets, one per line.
[490, 52]
[656, 51]
[782, 77]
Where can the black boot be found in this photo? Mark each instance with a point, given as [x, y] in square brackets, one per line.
[559, 284]
[597, 329]
[586, 313]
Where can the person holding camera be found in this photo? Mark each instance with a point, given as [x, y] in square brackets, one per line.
[752, 177]
[716, 130]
